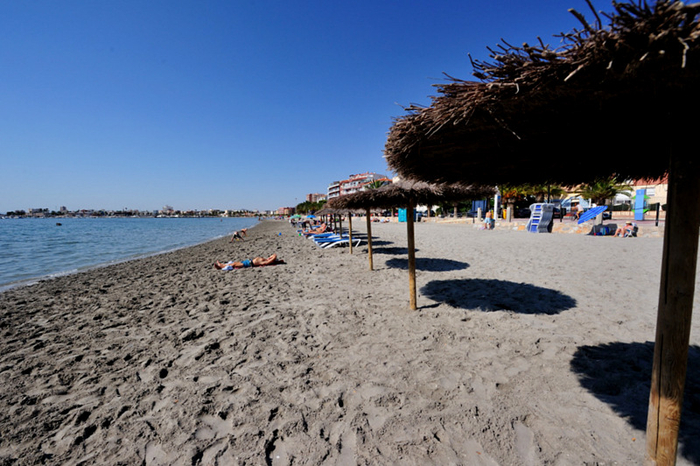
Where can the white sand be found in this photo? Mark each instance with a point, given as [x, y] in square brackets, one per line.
[527, 349]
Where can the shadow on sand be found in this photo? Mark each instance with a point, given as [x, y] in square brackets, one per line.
[619, 374]
[395, 250]
[382, 242]
[428, 265]
[498, 295]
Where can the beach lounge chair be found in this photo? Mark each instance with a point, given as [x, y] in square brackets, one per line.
[341, 242]
[326, 239]
[321, 235]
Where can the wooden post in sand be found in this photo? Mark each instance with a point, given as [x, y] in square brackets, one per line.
[678, 268]
[350, 230]
[411, 255]
[369, 239]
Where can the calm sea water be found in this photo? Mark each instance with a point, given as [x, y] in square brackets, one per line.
[36, 248]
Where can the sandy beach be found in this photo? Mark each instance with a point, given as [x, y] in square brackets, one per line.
[527, 349]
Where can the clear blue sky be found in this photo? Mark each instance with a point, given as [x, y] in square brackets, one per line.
[226, 104]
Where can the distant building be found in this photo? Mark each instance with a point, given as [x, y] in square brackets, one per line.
[286, 211]
[315, 197]
[353, 184]
[333, 190]
[40, 212]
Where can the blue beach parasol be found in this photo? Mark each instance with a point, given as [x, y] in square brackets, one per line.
[591, 213]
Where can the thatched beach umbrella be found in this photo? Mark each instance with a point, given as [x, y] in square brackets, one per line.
[338, 210]
[626, 93]
[408, 194]
[332, 217]
[348, 204]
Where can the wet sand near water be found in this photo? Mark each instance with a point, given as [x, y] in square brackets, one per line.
[527, 349]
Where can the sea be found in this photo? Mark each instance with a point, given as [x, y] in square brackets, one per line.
[32, 249]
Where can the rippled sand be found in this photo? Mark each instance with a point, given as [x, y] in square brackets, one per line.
[527, 349]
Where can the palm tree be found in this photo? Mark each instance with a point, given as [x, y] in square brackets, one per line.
[603, 189]
[308, 207]
[544, 192]
[376, 184]
[511, 194]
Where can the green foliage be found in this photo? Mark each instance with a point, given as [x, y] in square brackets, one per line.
[308, 207]
[376, 184]
[517, 194]
[603, 189]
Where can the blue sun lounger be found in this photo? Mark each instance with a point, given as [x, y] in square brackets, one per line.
[327, 239]
[322, 235]
[340, 242]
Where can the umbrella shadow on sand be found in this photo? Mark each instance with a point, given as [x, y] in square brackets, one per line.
[396, 250]
[381, 242]
[619, 374]
[498, 295]
[428, 265]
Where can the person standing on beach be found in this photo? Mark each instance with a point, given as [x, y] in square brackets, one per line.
[238, 235]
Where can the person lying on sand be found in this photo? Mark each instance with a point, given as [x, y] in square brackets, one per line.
[256, 262]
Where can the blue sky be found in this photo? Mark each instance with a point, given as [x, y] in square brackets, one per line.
[226, 104]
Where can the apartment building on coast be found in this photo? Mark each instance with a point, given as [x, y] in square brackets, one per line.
[353, 184]
[315, 197]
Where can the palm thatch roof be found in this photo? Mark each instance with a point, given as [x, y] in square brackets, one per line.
[401, 193]
[567, 115]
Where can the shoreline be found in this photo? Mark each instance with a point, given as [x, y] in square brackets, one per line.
[526, 349]
[87, 268]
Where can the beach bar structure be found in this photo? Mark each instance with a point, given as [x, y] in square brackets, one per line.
[407, 194]
[620, 99]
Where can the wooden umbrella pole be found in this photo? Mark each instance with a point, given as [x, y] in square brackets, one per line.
[369, 240]
[678, 268]
[350, 230]
[411, 256]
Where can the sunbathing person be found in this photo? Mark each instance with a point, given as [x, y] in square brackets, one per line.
[626, 231]
[255, 262]
[315, 231]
